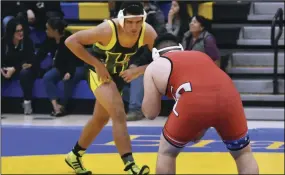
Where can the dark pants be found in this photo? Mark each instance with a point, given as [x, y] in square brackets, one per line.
[53, 76]
[27, 78]
[133, 94]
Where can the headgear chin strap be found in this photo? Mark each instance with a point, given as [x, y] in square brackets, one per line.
[155, 52]
[122, 17]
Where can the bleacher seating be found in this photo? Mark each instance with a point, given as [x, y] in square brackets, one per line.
[76, 28]
[249, 52]
[85, 12]
[251, 58]
[70, 10]
[81, 11]
[12, 89]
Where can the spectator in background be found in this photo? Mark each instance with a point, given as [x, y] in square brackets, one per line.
[198, 38]
[35, 13]
[9, 10]
[38, 12]
[14, 9]
[64, 66]
[155, 17]
[178, 18]
[17, 56]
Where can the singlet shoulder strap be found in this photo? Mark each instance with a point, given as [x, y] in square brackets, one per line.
[113, 40]
[141, 39]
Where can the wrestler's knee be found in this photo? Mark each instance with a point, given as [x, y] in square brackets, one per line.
[168, 149]
[100, 120]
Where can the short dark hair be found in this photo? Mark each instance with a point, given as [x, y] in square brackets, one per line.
[165, 40]
[204, 22]
[58, 24]
[133, 8]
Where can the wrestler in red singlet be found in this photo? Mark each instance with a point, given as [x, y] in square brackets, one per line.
[204, 97]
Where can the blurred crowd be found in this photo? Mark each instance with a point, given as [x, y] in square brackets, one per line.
[22, 57]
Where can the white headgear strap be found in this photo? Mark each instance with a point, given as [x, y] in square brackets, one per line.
[122, 17]
[156, 53]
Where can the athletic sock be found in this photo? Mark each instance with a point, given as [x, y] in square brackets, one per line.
[128, 157]
[78, 150]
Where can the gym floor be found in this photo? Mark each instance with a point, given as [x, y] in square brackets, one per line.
[38, 144]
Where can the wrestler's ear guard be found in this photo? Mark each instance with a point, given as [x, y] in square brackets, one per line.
[122, 17]
[155, 52]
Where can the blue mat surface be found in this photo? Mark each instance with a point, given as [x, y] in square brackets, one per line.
[32, 140]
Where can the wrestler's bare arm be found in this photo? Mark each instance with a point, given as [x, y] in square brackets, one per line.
[151, 104]
[101, 33]
[149, 37]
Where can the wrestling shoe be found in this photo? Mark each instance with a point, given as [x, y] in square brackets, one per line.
[132, 168]
[75, 162]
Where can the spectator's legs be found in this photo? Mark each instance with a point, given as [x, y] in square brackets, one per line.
[27, 79]
[69, 85]
[136, 97]
[51, 78]
[5, 21]
[126, 96]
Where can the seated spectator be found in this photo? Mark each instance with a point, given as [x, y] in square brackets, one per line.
[33, 16]
[155, 17]
[9, 9]
[198, 38]
[178, 18]
[64, 66]
[13, 9]
[38, 12]
[17, 56]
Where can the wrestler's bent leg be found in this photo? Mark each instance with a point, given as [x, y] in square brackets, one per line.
[183, 125]
[90, 131]
[166, 158]
[93, 127]
[109, 97]
[232, 127]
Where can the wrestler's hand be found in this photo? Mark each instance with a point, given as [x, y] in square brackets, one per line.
[129, 74]
[102, 72]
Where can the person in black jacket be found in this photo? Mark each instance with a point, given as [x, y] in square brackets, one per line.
[64, 66]
[14, 9]
[38, 12]
[17, 56]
